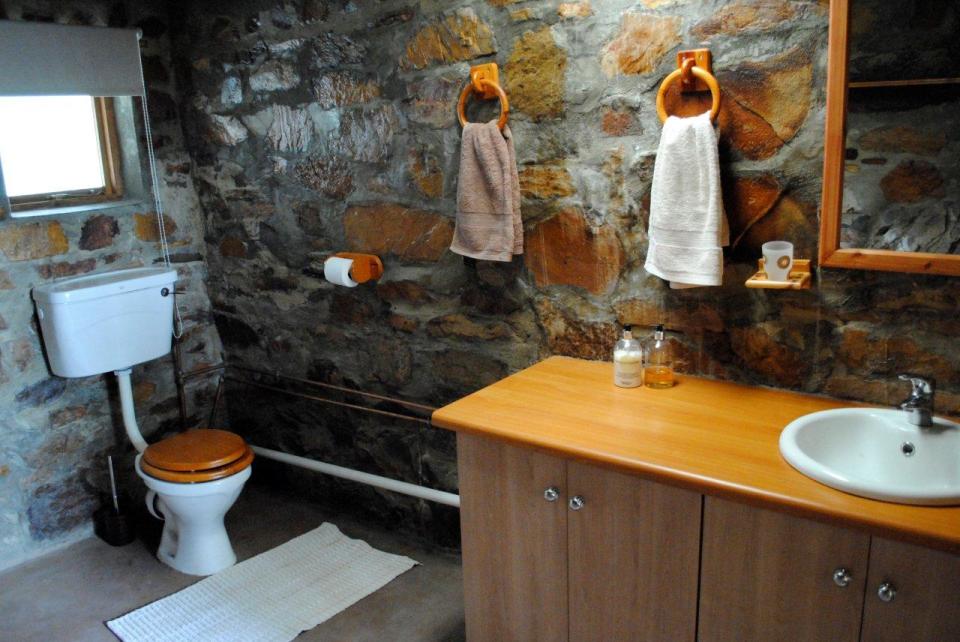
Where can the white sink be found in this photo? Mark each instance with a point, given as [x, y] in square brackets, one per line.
[878, 454]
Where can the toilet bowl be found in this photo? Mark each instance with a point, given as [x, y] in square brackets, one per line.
[99, 323]
[193, 479]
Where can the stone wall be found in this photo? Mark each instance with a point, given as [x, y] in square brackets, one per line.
[55, 433]
[323, 125]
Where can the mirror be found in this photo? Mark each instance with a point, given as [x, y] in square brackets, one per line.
[891, 180]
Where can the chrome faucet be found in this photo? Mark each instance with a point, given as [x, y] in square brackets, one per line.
[919, 405]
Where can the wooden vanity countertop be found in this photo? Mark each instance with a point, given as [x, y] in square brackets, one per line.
[715, 437]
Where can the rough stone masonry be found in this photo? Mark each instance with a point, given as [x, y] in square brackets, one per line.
[314, 126]
[317, 126]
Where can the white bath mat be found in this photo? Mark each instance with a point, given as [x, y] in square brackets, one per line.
[271, 597]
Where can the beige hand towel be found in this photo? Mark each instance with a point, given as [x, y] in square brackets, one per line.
[488, 195]
[687, 226]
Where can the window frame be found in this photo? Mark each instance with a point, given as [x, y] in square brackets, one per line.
[110, 158]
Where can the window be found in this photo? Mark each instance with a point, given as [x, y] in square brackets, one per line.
[59, 151]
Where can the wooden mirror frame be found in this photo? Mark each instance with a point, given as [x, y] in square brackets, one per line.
[831, 204]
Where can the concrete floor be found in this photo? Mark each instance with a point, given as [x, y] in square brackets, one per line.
[67, 595]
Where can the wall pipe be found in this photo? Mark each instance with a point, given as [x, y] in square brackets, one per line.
[183, 376]
[180, 381]
[199, 372]
[406, 488]
[321, 384]
[344, 404]
[129, 414]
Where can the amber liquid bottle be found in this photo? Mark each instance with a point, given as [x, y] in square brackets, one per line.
[658, 366]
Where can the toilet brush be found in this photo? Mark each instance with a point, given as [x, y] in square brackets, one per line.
[113, 485]
[112, 525]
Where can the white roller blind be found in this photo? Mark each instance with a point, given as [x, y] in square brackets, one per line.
[42, 59]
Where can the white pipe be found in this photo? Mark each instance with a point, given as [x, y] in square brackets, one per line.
[129, 416]
[386, 483]
[430, 494]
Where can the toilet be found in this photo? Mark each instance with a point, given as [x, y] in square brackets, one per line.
[194, 478]
[112, 321]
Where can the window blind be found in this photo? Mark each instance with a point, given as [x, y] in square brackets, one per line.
[43, 59]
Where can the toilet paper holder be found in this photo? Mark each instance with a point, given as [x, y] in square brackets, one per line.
[365, 266]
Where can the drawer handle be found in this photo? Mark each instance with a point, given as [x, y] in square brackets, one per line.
[842, 577]
[576, 502]
[552, 494]
[886, 592]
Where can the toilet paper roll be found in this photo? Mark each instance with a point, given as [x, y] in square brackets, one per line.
[337, 271]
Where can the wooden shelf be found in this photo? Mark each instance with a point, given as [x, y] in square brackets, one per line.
[799, 277]
[915, 82]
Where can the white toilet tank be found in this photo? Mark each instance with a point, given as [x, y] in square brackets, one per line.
[109, 321]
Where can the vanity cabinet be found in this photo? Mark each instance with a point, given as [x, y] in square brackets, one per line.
[557, 549]
[645, 469]
[561, 550]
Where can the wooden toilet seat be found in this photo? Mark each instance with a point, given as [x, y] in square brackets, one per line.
[197, 455]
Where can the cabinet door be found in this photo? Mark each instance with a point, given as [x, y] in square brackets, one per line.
[926, 605]
[634, 550]
[514, 542]
[769, 576]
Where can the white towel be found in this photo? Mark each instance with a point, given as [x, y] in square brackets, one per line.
[687, 224]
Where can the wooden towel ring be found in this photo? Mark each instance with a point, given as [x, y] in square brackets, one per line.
[689, 68]
[490, 87]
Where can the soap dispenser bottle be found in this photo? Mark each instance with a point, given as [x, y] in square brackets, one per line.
[627, 361]
[658, 366]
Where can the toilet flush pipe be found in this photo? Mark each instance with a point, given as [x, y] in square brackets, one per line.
[405, 488]
[129, 416]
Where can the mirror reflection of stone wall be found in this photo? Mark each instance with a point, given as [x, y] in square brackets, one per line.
[902, 176]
